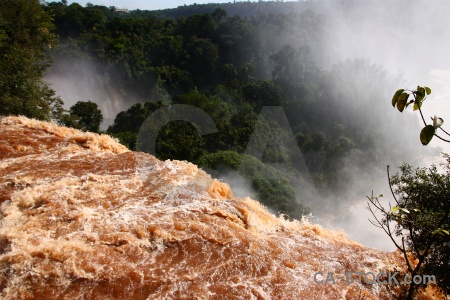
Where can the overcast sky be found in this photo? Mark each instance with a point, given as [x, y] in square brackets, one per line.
[147, 4]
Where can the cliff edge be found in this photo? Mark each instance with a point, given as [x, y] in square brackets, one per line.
[82, 217]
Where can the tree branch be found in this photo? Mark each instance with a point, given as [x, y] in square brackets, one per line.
[390, 185]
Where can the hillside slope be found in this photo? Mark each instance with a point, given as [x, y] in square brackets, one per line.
[82, 218]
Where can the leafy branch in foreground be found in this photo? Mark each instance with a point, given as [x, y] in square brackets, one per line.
[419, 222]
[421, 219]
[419, 95]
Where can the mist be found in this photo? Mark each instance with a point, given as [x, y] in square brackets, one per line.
[409, 42]
[84, 78]
[411, 39]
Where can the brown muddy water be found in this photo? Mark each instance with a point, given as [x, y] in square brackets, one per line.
[82, 217]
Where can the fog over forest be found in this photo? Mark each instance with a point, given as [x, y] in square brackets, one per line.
[334, 64]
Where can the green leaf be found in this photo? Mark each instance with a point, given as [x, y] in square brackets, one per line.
[404, 210]
[416, 106]
[394, 209]
[428, 90]
[436, 231]
[401, 101]
[441, 231]
[419, 98]
[427, 134]
[420, 92]
[396, 95]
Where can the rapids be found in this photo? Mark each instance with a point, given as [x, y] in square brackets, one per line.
[82, 217]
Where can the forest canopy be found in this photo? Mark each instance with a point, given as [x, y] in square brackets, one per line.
[231, 67]
[26, 35]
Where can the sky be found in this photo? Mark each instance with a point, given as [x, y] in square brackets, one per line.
[147, 4]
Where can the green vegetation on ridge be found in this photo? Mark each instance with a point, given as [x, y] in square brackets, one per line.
[232, 67]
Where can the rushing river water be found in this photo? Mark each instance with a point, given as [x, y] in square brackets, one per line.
[84, 218]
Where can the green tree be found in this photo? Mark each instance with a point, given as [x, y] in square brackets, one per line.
[127, 139]
[25, 40]
[219, 14]
[132, 119]
[421, 219]
[262, 93]
[421, 214]
[179, 140]
[203, 57]
[85, 116]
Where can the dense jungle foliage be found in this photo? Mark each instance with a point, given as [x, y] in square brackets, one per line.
[244, 90]
[25, 37]
[231, 67]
